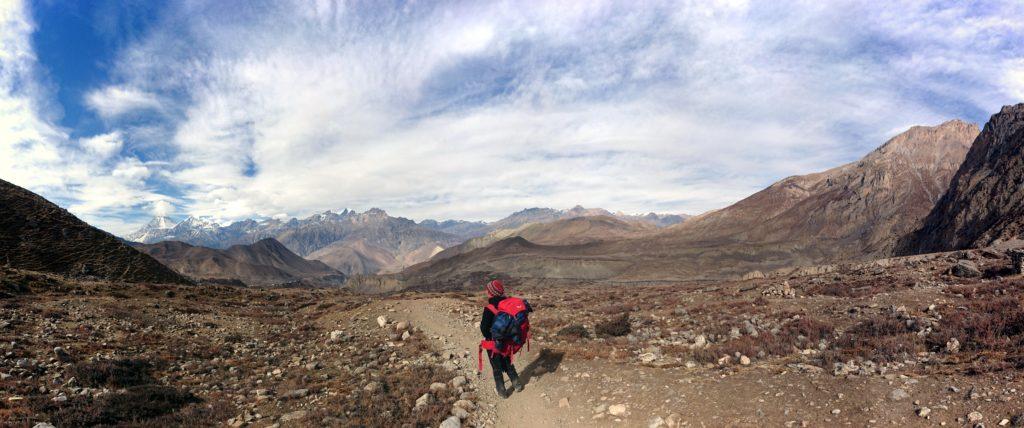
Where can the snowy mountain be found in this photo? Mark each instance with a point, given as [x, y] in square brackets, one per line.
[153, 231]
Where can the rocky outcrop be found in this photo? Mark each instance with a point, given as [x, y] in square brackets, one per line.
[37, 235]
[985, 201]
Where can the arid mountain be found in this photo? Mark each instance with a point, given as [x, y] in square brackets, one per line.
[36, 234]
[852, 212]
[266, 262]
[985, 201]
[570, 231]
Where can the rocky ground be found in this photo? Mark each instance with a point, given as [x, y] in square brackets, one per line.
[924, 341]
[94, 353]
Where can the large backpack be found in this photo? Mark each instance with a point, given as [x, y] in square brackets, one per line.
[510, 330]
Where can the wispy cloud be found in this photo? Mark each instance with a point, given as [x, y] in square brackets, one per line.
[115, 101]
[473, 110]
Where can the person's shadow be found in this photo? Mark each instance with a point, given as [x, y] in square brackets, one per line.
[547, 362]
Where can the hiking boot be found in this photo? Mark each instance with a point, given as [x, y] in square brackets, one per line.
[502, 392]
[517, 385]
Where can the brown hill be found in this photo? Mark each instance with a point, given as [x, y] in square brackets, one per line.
[36, 234]
[570, 231]
[853, 212]
[985, 201]
[264, 263]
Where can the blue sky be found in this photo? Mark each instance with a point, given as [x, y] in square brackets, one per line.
[472, 110]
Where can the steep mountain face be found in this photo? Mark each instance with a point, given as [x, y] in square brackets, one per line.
[985, 201]
[852, 212]
[36, 234]
[264, 263]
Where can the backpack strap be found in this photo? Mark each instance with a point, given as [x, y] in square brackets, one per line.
[492, 308]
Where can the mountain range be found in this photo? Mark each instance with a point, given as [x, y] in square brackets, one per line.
[363, 243]
[855, 211]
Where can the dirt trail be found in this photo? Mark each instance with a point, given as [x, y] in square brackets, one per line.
[535, 406]
[758, 395]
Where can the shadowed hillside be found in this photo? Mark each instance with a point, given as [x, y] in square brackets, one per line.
[36, 234]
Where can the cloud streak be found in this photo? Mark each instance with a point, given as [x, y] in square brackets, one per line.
[474, 110]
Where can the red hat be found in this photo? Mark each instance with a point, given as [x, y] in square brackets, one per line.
[495, 288]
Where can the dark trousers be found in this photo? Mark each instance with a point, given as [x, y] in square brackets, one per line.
[502, 365]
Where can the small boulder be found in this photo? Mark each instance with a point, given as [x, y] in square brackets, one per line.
[294, 416]
[744, 360]
[898, 394]
[295, 393]
[924, 412]
[617, 409]
[952, 346]
[563, 403]
[451, 422]
[975, 417]
[437, 386]
[336, 336]
[382, 321]
[424, 400]
[458, 381]
[401, 326]
[965, 269]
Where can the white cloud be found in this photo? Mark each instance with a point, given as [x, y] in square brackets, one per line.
[103, 145]
[473, 110]
[162, 208]
[114, 101]
[39, 155]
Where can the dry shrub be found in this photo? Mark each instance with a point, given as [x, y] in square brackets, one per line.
[574, 331]
[987, 325]
[113, 373]
[615, 327]
[134, 404]
[881, 339]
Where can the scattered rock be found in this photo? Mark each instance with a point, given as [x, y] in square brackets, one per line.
[382, 321]
[437, 386]
[295, 393]
[656, 422]
[460, 412]
[294, 416]
[43, 425]
[975, 417]
[898, 394]
[617, 409]
[563, 403]
[744, 360]
[953, 346]
[451, 422]
[965, 269]
[924, 412]
[401, 326]
[458, 381]
[424, 400]
[336, 336]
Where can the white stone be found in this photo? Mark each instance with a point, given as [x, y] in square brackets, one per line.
[382, 321]
[617, 409]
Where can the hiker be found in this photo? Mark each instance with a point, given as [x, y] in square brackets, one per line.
[505, 328]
